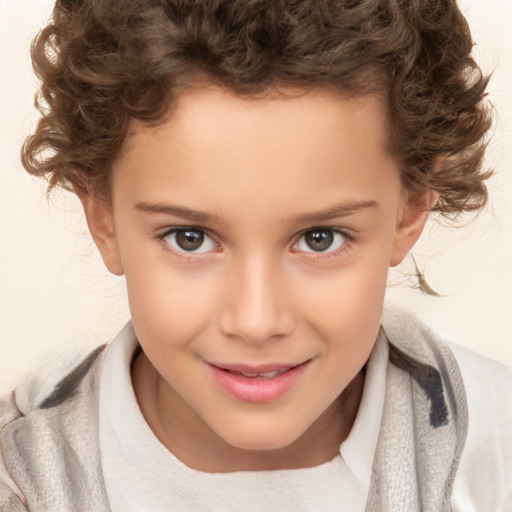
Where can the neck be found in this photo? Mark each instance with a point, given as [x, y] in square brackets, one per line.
[197, 446]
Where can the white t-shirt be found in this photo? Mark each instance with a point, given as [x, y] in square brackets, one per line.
[142, 475]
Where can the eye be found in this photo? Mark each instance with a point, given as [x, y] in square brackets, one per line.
[189, 240]
[322, 240]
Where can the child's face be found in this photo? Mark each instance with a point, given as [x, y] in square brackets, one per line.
[256, 236]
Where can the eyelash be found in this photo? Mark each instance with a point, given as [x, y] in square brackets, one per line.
[183, 254]
[345, 248]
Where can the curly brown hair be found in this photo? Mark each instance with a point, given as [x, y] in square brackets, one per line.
[104, 63]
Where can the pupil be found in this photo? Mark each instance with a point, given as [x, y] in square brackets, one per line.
[319, 240]
[189, 240]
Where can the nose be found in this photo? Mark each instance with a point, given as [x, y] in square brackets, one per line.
[256, 308]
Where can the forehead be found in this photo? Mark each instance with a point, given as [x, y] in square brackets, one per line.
[275, 147]
[214, 111]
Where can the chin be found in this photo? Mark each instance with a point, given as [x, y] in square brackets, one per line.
[261, 438]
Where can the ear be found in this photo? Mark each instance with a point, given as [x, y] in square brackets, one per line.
[411, 221]
[101, 225]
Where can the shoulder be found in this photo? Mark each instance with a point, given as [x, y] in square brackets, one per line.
[488, 386]
[484, 479]
[42, 423]
[10, 495]
[488, 383]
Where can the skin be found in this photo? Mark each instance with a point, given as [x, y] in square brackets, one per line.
[256, 175]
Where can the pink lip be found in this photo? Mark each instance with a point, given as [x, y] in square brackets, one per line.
[256, 389]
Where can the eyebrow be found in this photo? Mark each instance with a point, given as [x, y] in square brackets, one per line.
[178, 211]
[338, 210]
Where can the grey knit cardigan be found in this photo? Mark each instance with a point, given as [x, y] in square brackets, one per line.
[50, 451]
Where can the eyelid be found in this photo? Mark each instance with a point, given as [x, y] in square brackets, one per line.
[343, 249]
[182, 253]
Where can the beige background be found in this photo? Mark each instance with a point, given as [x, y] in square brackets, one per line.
[55, 295]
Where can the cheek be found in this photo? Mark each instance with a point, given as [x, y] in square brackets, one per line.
[345, 309]
[168, 304]
[347, 296]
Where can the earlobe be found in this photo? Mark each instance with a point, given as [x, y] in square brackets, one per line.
[411, 221]
[101, 225]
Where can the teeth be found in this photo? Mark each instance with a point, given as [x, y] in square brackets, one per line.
[263, 375]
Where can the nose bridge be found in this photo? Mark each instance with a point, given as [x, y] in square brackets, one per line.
[256, 308]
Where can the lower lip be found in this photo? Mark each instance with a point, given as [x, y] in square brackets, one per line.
[254, 389]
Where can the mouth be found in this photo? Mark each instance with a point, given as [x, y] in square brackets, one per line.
[257, 384]
[261, 375]
[268, 371]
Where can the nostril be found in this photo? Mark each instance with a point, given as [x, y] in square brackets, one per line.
[255, 308]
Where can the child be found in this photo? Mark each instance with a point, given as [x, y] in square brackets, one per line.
[253, 169]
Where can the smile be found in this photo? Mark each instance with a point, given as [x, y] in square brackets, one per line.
[263, 375]
[257, 384]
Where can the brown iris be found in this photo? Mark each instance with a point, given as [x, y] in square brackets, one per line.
[319, 239]
[189, 239]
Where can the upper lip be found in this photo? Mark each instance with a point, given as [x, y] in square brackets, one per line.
[260, 368]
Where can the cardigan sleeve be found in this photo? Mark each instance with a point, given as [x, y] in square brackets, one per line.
[11, 499]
